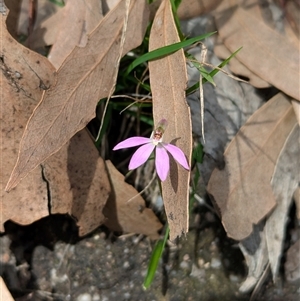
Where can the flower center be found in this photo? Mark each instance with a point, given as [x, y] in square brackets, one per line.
[158, 133]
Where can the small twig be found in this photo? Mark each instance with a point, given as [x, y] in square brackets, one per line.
[203, 56]
[202, 202]
[222, 70]
[132, 98]
[146, 187]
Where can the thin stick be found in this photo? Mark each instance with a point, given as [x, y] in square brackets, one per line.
[146, 187]
[203, 56]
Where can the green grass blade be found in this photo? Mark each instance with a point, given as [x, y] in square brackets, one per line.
[155, 257]
[163, 51]
[175, 4]
[205, 74]
[198, 154]
[195, 87]
[58, 2]
[107, 119]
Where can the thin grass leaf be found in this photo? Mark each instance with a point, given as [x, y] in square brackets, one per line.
[119, 106]
[195, 87]
[206, 74]
[198, 154]
[146, 87]
[175, 4]
[146, 119]
[155, 257]
[58, 2]
[163, 51]
[200, 68]
[107, 118]
[197, 157]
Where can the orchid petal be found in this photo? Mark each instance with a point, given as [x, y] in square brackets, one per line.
[131, 142]
[177, 154]
[141, 155]
[162, 162]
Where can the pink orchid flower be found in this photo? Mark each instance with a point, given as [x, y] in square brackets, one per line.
[162, 161]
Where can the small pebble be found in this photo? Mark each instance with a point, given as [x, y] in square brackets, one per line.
[184, 265]
[143, 273]
[96, 297]
[201, 262]
[233, 278]
[75, 283]
[84, 297]
[213, 247]
[126, 265]
[96, 237]
[215, 263]
[186, 257]
[196, 272]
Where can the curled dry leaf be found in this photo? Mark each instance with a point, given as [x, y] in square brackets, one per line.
[32, 14]
[296, 107]
[83, 18]
[238, 68]
[265, 244]
[24, 76]
[75, 178]
[168, 78]
[242, 190]
[125, 209]
[292, 263]
[189, 8]
[255, 251]
[15, 8]
[77, 164]
[87, 75]
[47, 31]
[78, 183]
[265, 52]
[284, 183]
[292, 10]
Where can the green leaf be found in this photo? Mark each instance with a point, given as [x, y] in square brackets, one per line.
[198, 153]
[155, 257]
[163, 51]
[175, 4]
[195, 87]
[205, 74]
[58, 2]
